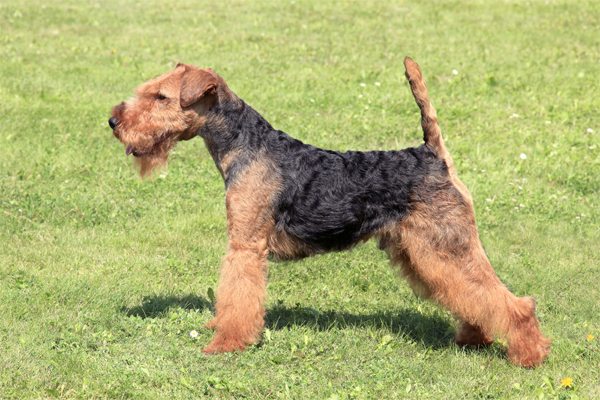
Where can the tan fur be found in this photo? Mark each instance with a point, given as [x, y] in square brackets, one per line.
[242, 289]
[288, 247]
[441, 256]
[146, 120]
[440, 253]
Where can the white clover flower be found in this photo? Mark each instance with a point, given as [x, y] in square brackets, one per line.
[360, 96]
[590, 130]
[363, 84]
[548, 122]
[523, 156]
[312, 100]
[194, 334]
[377, 84]
[455, 72]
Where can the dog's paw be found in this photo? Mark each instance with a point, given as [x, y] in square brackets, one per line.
[221, 344]
[470, 335]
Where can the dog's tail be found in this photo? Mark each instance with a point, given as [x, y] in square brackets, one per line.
[431, 130]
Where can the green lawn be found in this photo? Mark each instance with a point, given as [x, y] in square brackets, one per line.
[103, 276]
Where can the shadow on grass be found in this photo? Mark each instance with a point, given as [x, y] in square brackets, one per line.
[157, 306]
[433, 331]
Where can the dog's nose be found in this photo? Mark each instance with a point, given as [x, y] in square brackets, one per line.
[113, 123]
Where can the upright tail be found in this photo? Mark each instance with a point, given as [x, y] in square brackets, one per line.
[431, 130]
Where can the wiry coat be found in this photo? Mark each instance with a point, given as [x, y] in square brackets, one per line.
[294, 200]
[327, 199]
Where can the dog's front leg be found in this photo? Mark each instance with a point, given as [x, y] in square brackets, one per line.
[241, 294]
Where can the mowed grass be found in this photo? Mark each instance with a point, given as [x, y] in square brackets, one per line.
[103, 276]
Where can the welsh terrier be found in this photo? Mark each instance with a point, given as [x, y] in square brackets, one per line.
[294, 200]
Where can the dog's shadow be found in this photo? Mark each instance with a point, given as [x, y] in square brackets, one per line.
[157, 306]
[433, 331]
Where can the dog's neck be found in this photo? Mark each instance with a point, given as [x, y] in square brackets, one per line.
[234, 133]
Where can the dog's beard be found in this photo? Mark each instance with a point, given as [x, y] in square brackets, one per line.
[156, 159]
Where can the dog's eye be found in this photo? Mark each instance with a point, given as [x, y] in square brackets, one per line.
[160, 97]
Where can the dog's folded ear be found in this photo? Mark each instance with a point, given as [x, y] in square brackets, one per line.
[196, 83]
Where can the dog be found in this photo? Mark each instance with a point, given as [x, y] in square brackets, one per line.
[294, 200]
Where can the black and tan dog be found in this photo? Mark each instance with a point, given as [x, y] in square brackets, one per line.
[294, 200]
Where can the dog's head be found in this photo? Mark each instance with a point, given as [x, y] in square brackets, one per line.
[166, 109]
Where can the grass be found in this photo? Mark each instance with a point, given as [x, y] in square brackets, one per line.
[103, 276]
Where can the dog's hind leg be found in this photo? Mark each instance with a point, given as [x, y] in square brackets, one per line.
[439, 249]
[448, 264]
